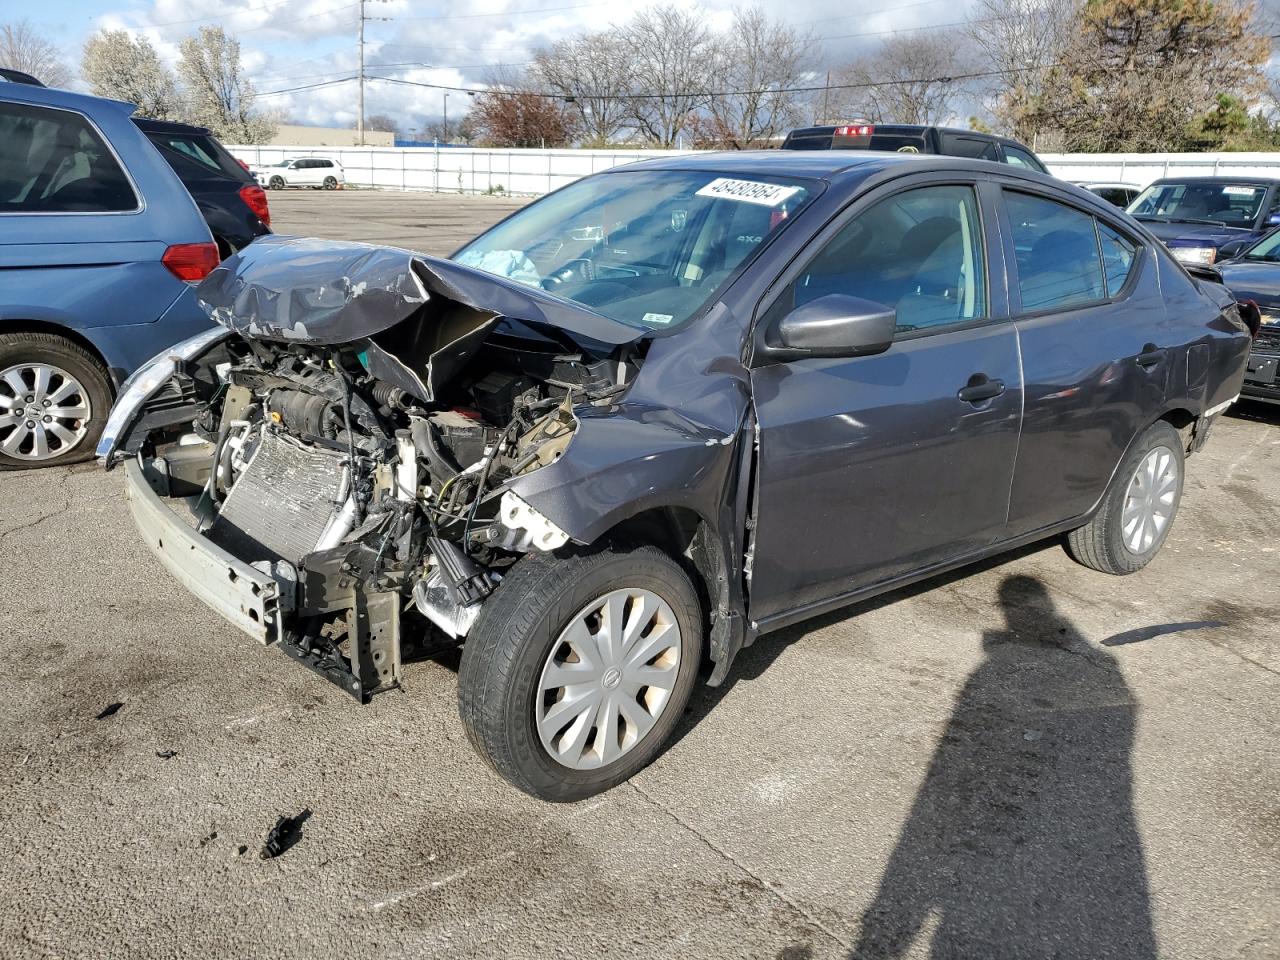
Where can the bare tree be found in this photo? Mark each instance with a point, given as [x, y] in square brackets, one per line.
[219, 95]
[127, 68]
[673, 66]
[382, 123]
[756, 61]
[521, 118]
[22, 48]
[1022, 39]
[593, 73]
[909, 78]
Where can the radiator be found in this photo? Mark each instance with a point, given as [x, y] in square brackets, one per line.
[281, 502]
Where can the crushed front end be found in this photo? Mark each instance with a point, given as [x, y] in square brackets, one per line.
[333, 470]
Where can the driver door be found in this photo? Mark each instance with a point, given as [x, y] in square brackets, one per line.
[873, 467]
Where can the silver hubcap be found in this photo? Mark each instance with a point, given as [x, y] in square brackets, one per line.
[44, 411]
[1148, 503]
[608, 678]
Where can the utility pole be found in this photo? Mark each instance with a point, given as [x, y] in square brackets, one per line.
[360, 50]
[446, 116]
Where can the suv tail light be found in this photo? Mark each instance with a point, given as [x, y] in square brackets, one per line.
[859, 130]
[191, 261]
[255, 198]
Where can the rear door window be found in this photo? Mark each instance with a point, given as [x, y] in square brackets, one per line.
[1059, 263]
[54, 161]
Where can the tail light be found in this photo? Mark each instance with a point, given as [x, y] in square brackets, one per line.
[255, 198]
[858, 130]
[191, 261]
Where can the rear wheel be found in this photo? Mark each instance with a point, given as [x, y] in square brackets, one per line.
[331, 183]
[54, 398]
[1138, 510]
[579, 667]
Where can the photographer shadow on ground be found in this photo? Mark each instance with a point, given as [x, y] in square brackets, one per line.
[1022, 840]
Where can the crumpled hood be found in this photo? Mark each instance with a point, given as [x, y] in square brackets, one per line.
[1194, 234]
[306, 290]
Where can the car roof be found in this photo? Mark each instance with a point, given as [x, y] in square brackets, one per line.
[828, 165]
[52, 97]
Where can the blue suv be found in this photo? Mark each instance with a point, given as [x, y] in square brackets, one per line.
[100, 244]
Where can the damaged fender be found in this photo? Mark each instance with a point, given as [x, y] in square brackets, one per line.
[641, 454]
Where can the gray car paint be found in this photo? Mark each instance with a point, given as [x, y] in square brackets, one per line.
[848, 509]
[862, 474]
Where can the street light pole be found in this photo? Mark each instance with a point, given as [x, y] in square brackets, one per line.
[446, 117]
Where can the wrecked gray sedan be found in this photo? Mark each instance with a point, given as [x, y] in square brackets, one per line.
[659, 413]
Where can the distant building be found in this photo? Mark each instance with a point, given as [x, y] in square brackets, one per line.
[296, 135]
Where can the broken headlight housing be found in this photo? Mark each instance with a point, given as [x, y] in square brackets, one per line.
[146, 380]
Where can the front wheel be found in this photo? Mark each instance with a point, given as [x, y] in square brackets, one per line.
[1138, 509]
[579, 667]
[275, 183]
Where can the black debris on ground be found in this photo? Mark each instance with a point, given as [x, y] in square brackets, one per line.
[205, 841]
[286, 833]
[166, 754]
[110, 710]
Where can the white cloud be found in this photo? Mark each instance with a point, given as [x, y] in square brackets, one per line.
[291, 43]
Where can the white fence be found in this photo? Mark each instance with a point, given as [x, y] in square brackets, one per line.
[466, 170]
[456, 169]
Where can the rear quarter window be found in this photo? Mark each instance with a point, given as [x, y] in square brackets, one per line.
[55, 161]
[200, 150]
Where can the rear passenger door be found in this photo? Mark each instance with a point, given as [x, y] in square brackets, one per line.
[1096, 351]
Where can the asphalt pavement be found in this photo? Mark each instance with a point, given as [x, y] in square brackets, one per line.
[1024, 760]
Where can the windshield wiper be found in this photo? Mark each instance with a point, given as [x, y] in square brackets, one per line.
[1144, 217]
[1212, 223]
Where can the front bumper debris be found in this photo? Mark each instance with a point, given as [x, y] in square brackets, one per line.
[317, 615]
[244, 596]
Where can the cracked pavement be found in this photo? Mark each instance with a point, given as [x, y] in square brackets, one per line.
[1023, 759]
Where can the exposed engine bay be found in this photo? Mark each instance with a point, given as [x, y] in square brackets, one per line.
[369, 477]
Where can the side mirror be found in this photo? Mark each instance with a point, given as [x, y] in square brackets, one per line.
[836, 325]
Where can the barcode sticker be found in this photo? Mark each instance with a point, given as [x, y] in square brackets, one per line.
[748, 191]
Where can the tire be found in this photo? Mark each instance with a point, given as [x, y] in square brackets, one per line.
[516, 647]
[55, 375]
[330, 183]
[1118, 543]
[275, 183]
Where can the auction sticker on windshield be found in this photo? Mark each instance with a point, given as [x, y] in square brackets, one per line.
[748, 191]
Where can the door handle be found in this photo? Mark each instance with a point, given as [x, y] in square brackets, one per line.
[1150, 356]
[980, 387]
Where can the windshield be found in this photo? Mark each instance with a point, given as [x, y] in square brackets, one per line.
[647, 248]
[1229, 204]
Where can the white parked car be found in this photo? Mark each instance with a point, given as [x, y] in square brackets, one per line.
[315, 172]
